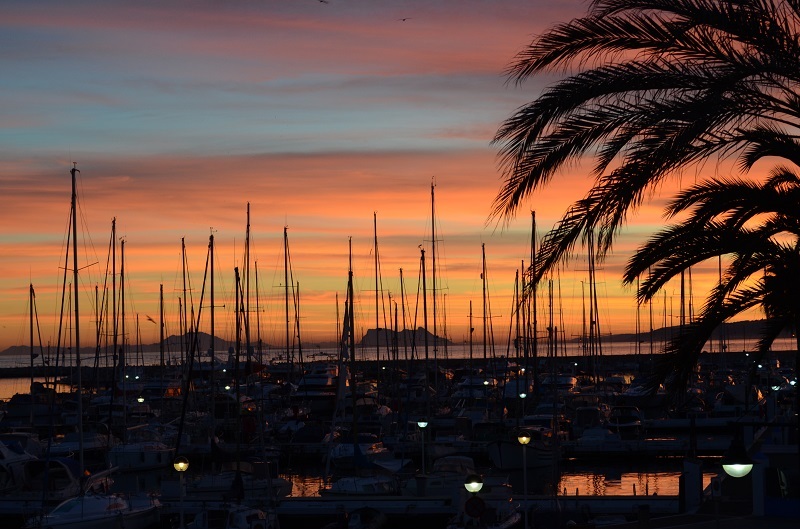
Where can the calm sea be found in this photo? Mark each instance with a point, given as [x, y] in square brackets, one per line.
[477, 351]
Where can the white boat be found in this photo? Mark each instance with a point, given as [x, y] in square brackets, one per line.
[320, 386]
[626, 421]
[12, 466]
[349, 455]
[556, 423]
[588, 417]
[143, 450]
[231, 485]
[47, 482]
[27, 441]
[95, 447]
[101, 511]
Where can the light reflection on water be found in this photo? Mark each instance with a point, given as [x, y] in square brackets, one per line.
[648, 479]
[602, 482]
[305, 482]
[626, 484]
[11, 386]
[660, 478]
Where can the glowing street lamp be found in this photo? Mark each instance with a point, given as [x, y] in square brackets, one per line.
[181, 464]
[473, 483]
[524, 437]
[735, 461]
[422, 423]
[474, 507]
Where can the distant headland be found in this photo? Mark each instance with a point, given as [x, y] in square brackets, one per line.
[382, 337]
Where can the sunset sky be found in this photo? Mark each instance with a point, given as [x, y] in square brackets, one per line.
[319, 115]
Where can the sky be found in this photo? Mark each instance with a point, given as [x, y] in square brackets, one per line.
[327, 118]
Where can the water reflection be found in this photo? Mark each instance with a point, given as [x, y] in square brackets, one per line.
[662, 478]
[305, 482]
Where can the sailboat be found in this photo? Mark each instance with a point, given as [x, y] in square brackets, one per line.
[91, 508]
[101, 511]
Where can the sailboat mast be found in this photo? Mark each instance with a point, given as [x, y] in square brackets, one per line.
[286, 287]
[682, 311]
[213, 336]
[115, 329]
[584, 333]
[239, 316]
[650, 310]
[395, 334]
[246, 303]
[297, 324]
[425, 315]
[483, 282]
[377, 305]
[522, 309]
[123, 351]
[258, 319]
[518, 316]
[161, 340]
[534, 285]
[79, 395]
[351, 341]
[31, 298]
[638, 322]
[403, 310]
[471, 330]
[433, 289]
[591, 305]
[185, 349]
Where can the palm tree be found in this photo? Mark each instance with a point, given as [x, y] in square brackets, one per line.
[661, 86]
[755, 224]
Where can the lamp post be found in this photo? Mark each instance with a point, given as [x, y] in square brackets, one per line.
[524, 437]
[474, 507]
[735, 461]
[422, 423]
[181, 464]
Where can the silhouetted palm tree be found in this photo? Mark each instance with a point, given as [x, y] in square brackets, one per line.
[661, 86]
[758, 226]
